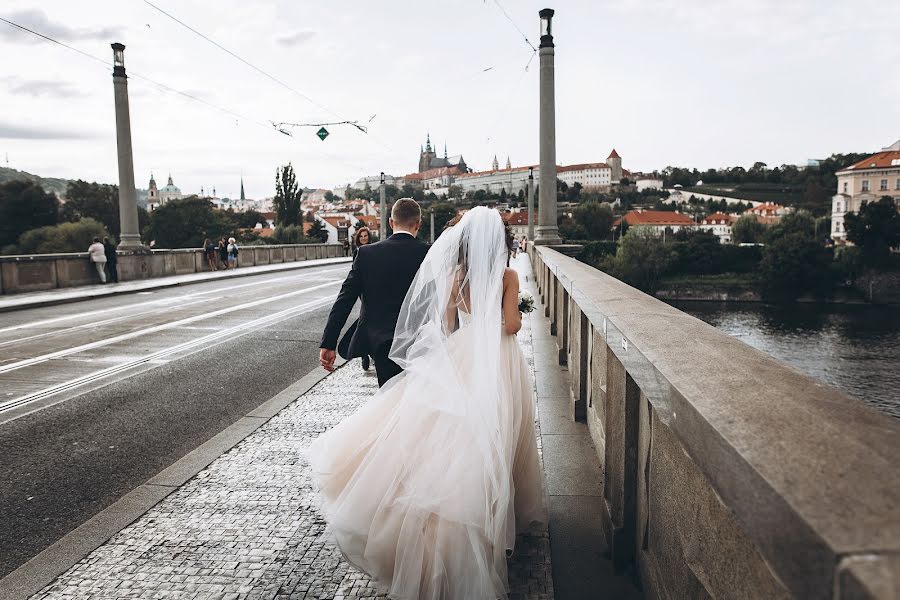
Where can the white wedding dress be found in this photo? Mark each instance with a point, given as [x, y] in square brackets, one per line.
[425, 487]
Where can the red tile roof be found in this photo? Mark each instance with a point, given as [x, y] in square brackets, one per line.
[880, 160]
[510, 170]
[516, 218]
[581, 167]
[716, 217]
[337, 221]
[614, 154]
[371, 222]
[656, 217]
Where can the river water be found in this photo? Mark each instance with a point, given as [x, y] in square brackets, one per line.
[854, 348]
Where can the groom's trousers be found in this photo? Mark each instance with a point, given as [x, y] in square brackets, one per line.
[385, 368]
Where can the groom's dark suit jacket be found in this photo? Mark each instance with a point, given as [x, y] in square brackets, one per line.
[381, 276]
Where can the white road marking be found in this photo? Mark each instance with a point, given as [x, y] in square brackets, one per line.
[133, 334]
[94, 324]
[160, 356]
[173, 299]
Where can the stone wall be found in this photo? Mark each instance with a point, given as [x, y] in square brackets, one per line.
[37, 272]
[726, 473]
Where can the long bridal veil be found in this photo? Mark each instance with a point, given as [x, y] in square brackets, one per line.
[420, 485]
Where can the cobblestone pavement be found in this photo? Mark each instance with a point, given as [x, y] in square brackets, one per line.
[246, 527]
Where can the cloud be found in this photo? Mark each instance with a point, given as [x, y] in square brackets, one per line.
[296, 38]
[43, 88]
[37, 21]
[25, 132]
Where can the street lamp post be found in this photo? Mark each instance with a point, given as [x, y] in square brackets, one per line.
[531, 203]
[547, 230]
[382, 227]
[129, 238]
[432, 224]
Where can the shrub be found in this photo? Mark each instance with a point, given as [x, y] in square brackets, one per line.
[67, 237]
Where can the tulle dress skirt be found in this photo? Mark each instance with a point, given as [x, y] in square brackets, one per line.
[419, 494]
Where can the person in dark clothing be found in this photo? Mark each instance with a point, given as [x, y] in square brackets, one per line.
[361, 238]
[381, 276]
[210, 249]
[223, 253]
[112, 273]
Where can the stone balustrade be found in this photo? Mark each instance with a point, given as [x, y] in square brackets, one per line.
[726, 473]
[38, 272]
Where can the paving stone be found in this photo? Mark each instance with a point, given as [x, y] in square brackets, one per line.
[247, 526]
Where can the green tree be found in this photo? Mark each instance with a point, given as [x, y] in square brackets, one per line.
[747, 230]
[292, 234]
[800, 222]
[794, 264]
[186, 222]
[288, 194]
[92, 201]
[595, 218]
[318, 232]
[65, 237]
[641, 260]
[248, 219]
[875, 230]
[24, 205]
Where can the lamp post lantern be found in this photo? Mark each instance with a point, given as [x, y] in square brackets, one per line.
[129, 238]
[547, 230]
[382, 226]
[531, 203]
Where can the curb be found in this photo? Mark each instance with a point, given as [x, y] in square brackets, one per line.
[103, 292]
[36, 574]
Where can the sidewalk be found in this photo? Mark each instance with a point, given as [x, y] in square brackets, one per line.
[246, 526]
[65, 295]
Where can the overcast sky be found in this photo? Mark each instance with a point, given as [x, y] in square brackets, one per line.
[691, 83]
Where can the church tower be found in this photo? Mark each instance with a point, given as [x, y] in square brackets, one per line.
[508, 164]
[152, 193]
[426, 156]
[243, 197]
[495, 166]
[615, 164]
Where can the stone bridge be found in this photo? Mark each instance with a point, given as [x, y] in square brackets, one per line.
[727, 473]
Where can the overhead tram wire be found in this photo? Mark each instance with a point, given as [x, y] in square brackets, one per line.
[249, 64]
[160, 85]
[268, 126]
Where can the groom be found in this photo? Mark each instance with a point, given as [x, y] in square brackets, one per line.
[381, 276]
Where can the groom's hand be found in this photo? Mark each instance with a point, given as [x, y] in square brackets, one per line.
[326, 358]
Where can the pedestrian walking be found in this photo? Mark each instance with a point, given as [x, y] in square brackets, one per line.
[223, 253]
[523, 245]
[232, 253]
[98, 257]
[346, 244]
[362, 238]
[112, 271]
[210, 250]
[515, 247]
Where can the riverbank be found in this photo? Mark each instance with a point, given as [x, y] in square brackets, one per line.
[736, 287]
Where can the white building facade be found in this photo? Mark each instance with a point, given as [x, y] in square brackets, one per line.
[866, 181]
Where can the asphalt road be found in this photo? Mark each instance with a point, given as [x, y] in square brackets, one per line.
[98, 396]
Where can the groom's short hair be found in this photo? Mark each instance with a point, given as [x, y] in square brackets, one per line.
[406, 212]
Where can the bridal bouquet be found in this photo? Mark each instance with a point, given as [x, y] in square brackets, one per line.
[526, 302]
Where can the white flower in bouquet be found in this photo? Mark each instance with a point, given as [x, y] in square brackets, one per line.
[526, 302]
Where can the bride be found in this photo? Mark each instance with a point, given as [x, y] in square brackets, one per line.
[425, 486]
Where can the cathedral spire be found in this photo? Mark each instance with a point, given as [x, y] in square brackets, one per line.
[428, 142]
[508, 164]
[243, 197]
[495, 166]
[445, 149]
